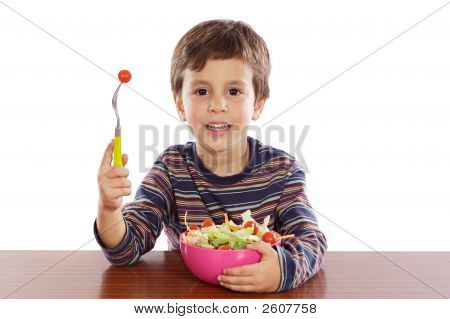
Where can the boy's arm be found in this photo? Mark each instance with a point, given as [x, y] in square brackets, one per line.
[301, 256]
[143, 218]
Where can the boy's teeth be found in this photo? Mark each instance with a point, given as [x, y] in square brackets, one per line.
[218, 126]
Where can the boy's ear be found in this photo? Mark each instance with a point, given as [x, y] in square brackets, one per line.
[179, 105]
[258, 108]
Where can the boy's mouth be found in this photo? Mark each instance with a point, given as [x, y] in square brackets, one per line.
[217, 128]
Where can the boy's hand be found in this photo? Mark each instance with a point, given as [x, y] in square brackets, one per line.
[264, 276]
[112, 181]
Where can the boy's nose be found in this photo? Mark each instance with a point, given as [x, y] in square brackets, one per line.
[217, 104]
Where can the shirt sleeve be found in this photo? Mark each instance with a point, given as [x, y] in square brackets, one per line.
[144, 217]
[301, 256]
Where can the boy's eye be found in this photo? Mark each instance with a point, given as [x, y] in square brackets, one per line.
[201, 92]
[235, 92]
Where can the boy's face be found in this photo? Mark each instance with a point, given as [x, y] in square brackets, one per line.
[221, 93]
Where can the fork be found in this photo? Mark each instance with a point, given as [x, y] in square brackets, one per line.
[117, 135]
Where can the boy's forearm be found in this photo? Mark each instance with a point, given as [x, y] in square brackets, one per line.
[111, 227]
[298, 266]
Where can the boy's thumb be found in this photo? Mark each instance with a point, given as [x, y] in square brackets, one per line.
[124, 159]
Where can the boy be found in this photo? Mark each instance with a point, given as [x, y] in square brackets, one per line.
[219, 80]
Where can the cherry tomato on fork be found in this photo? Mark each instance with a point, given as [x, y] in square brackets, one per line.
[124, 76]
[208, 223]
[249, 225]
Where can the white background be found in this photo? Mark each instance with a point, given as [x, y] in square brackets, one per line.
[377, 148]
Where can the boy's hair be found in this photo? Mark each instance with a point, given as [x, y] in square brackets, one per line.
[220, 40]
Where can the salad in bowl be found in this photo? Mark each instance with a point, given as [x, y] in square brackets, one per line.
[229, 236]
[211, 248]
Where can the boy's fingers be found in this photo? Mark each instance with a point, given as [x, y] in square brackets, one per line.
[246, 270]
[261, 247]
[117, 193]
[117, 171]
[124, 159]
[238, 280]
[107, 156]
[120, 182]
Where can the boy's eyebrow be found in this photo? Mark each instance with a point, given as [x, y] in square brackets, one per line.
[203, 82]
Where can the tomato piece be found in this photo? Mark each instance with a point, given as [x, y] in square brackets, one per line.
[208, 223]
[188, 233]
[224, 247]
[124, 76]
[269, 237]
[249, 225]
[277, 235]
[194, 227]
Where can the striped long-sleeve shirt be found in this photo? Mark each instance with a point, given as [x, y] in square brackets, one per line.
[272, 184]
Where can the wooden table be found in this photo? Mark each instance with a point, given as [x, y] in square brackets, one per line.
[162, 274]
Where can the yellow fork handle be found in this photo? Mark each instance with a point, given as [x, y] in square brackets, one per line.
[118, 151]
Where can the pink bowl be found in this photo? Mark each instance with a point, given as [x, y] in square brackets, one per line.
[206, 264]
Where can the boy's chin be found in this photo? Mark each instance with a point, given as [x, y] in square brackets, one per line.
[221, 144]
[215, 145]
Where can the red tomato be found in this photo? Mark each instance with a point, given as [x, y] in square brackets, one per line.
[249, 225]
[187, 233]
[124, 76]
[224, 247]
[277, 235]
[269, 237]
[194, 227]
[207, 223]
